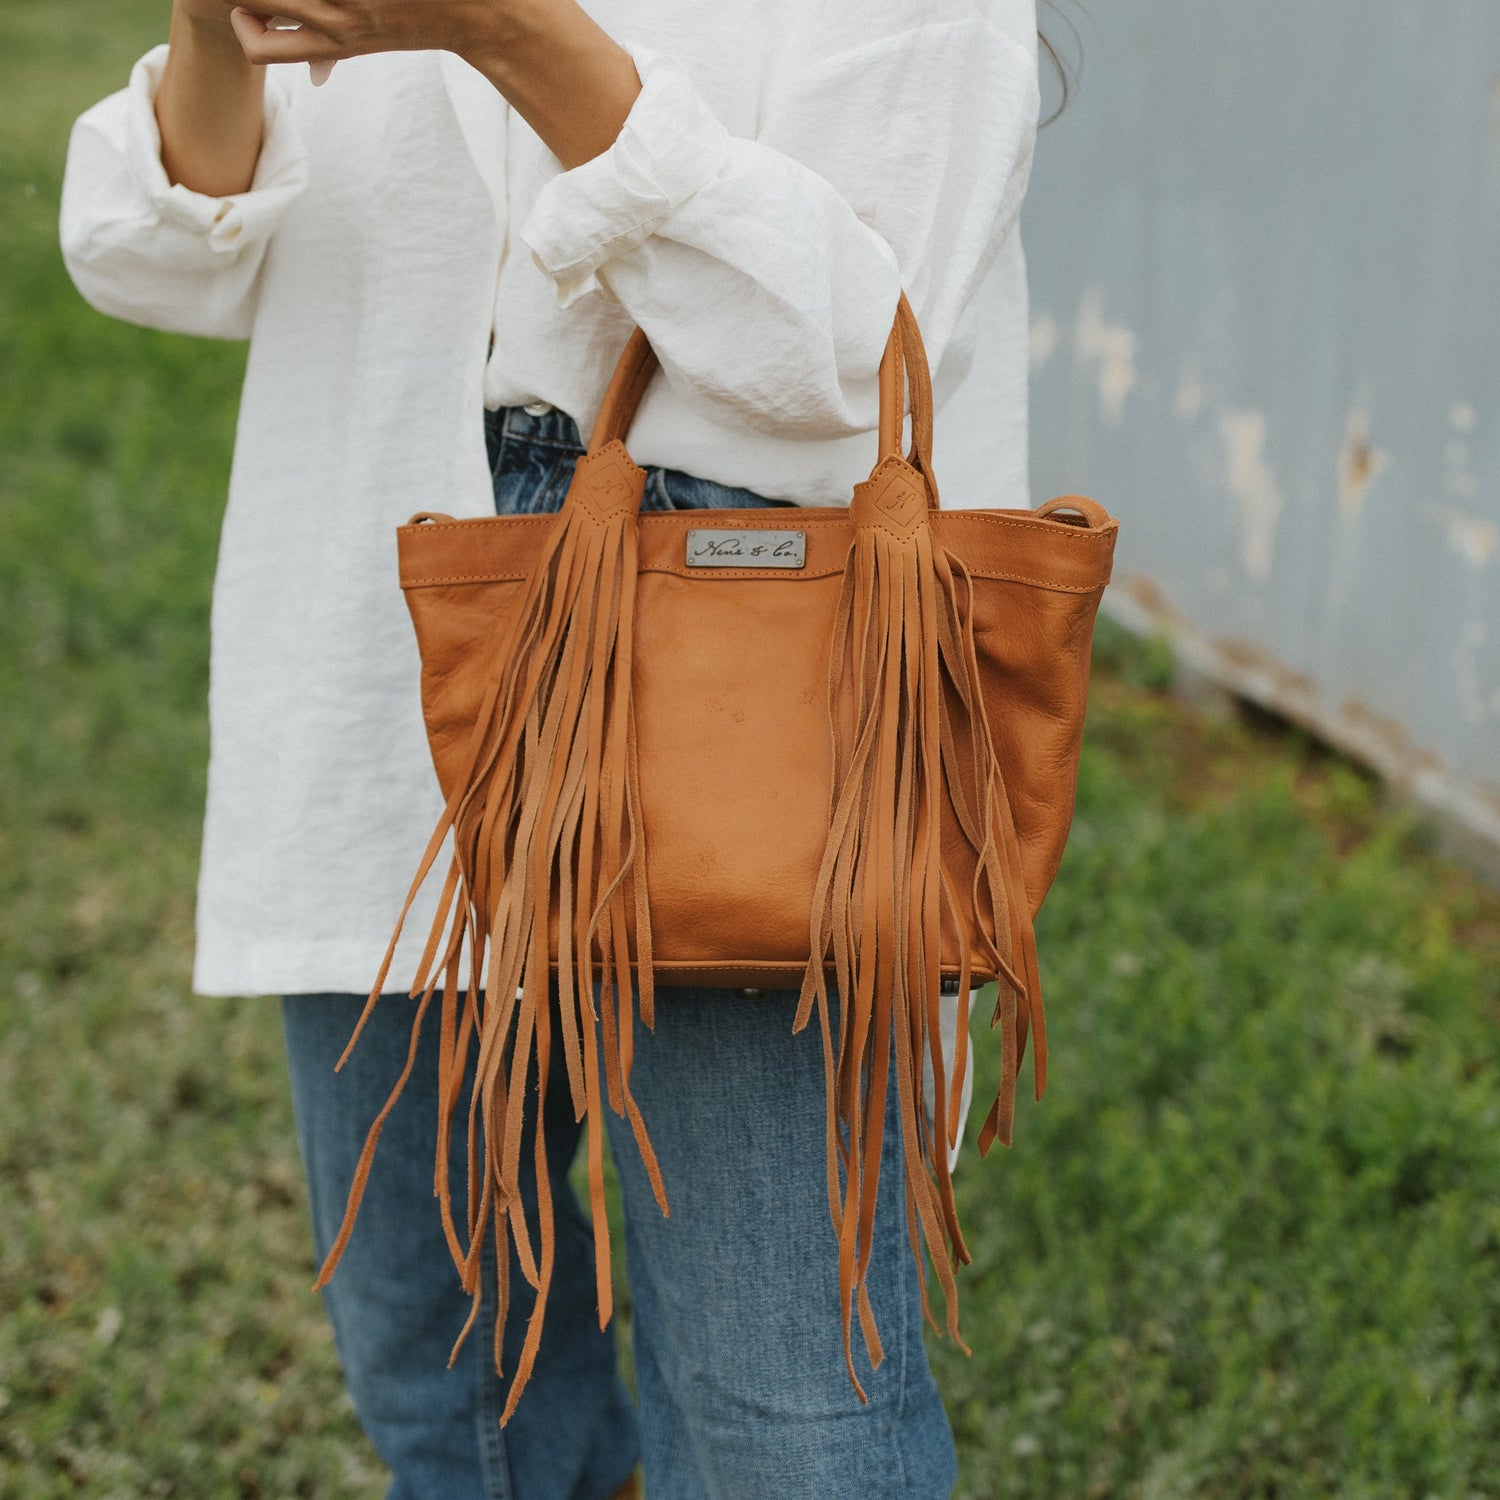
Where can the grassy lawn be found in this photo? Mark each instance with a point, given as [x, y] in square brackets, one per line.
[1249, 1245]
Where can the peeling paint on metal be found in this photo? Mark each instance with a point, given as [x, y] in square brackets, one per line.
[1374, 738]
[1360, 464]
[1045, 337]
[1295, 404]
[1468, 681]
[1149, 598]
[1472, 537]
[1247, 656]
[1459, 478]
[1110, 346]
[1252, 486]
[1399, 757]
[1191, 394]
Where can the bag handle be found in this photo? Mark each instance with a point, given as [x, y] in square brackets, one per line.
[1092, 512]
[905, 352]
[637, 364]
[903, 372]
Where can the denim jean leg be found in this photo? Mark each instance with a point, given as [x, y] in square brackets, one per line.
[744, 1393]
[736, 1330]
[735, 1322]
[395, 1301]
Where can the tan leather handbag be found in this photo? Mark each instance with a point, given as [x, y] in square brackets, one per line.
[827, 749]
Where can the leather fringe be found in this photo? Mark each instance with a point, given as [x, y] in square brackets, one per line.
[903, 638]
[537, 821]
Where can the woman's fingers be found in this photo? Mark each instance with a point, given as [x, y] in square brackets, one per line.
[321, 15]
[263, 42]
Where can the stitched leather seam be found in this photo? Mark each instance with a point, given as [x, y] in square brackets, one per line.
[424, 582]
[770, 575]
[1063, 528]
[734, 974]
[1041, 583]
[783, 575]
[420, 527]
[896, 536]
[751, 575]
[698, 516]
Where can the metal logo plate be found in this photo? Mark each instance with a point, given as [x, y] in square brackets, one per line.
[746, 549]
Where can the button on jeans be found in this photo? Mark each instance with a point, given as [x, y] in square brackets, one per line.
[736, 1340]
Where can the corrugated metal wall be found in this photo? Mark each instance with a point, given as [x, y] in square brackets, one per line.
[1264, 248]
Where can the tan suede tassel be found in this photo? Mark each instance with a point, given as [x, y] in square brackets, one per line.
[903, 638]
[538, 824]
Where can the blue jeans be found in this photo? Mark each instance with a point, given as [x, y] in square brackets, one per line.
[736, 1340]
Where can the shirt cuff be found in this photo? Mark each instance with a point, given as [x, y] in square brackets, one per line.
[235, 220]
[670, 145]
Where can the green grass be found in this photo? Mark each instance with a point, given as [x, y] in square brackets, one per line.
[157, 1333]
[1248, 1246]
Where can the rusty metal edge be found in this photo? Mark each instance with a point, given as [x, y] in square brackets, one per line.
[1465, 818]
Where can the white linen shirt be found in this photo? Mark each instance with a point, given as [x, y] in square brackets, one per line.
[788, 165]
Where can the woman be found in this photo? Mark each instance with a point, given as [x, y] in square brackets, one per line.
[469, 214]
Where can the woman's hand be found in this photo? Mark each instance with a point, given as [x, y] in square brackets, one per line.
[328, 30]
[562, 73]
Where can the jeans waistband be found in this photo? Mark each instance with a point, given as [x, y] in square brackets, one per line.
[552, 427]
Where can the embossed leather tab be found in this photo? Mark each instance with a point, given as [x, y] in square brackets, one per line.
[892, 498]
[608, 483]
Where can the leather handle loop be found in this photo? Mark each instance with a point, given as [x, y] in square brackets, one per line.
[904, 375]
[1092, 512]
[919, 384]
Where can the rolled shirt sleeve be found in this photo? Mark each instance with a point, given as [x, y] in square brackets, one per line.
[670, 146]
[153, 252]
[766, 271]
